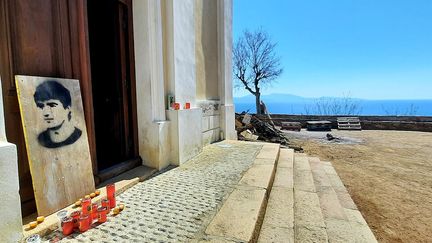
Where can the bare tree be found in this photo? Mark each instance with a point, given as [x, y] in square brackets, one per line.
[255, 63]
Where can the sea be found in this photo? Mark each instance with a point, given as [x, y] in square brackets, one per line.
[363, 107]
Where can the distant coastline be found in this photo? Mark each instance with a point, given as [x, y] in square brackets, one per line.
[296, 105]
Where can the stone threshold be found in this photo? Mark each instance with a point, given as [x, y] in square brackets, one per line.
[241, 215]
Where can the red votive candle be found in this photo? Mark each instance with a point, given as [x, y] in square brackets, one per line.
[102, 214]
[86, 206]
[106, 203]
[176, 106]
[94, 213]
[110, 190]
[75, 216]
[84, 223]
[67, 225]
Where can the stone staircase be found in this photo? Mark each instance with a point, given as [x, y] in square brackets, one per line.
[289, 197]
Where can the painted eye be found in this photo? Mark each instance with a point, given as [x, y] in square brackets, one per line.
[52, 104]
[40, 105]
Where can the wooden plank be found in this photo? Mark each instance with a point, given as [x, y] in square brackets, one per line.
[56, 140]
[349, 123]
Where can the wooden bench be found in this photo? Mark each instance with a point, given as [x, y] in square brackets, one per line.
[291, 126]
[318, 125]
[349, 123]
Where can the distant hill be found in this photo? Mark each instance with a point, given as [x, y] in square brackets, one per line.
[273, 98]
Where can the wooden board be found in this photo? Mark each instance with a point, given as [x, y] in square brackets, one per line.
[318, 125]
[292, 126]
[56, 141]
[349, 123]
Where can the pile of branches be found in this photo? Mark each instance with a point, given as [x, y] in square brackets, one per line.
[250, 128]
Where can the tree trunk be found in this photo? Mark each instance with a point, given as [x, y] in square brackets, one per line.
[258, 103]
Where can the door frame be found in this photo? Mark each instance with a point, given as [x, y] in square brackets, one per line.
[102, 175]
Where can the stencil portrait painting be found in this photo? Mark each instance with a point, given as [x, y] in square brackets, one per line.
[56, 140]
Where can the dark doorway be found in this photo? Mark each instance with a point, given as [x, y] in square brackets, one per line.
[113, 84]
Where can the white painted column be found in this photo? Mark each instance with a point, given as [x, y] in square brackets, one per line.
[185, 129]
[225, 69]
[10, 203]
[153, 129]
[181, 50]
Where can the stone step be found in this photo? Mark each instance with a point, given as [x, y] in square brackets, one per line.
[337, 225]
[309, 221]
[344, 223]
[241, 216]
[278, 223]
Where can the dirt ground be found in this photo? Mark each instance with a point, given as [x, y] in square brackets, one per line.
[387, 173]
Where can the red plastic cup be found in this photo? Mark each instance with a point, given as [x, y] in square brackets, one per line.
[67, 225]
[102, 214]
[110, 190]
[84, 223]
[75, 216]
[106, 204]
[86, 206]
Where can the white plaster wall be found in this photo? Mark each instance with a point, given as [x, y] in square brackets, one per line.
[185, 133]
[225, 69]
[10, 203]
[180, 38]
[225, 50]
[153, 130]
[2, 120]
[206, 49]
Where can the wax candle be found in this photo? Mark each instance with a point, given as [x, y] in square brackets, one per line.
[102, 214]
[67, 225]
[84, 223]
[110, 188]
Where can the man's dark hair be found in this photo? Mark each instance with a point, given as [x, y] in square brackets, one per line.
[52, 90]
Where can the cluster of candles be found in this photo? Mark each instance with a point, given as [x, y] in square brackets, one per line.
[90, 212]
[176, 106]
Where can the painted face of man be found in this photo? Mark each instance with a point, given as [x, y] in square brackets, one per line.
[53, 113]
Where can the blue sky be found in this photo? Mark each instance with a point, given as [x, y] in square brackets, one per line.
[372, 49]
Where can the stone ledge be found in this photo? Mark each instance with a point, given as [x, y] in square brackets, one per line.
[269, 151]
[261, 176]
[276, 234]
[240, 215]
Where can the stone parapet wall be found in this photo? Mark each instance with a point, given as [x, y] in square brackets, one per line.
[404, 123]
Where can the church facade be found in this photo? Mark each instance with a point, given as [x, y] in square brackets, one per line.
[133, 58]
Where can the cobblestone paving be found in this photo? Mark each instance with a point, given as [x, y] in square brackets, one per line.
[178, 205]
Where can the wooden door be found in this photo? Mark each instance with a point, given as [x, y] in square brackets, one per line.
[41, 38]
[113, 81]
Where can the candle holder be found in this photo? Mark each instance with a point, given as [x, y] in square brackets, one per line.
[67, 225]
[110, 191]
[94, 213]
[102, 214]
[86, 206]
[84, 223]
[60, 215]
[75, 216]
[106, 203]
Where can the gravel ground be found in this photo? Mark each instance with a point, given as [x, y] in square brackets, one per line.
[387, 173]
